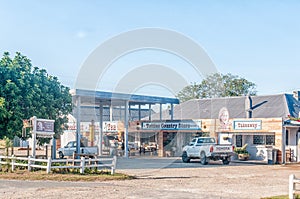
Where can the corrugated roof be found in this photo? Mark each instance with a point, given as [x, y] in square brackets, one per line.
[267, 106]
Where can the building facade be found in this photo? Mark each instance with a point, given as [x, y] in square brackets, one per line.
[261, 123]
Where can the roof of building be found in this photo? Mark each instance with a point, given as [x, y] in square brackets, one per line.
[90, 102]
[268, 106]
[89, 113]
[89, 97]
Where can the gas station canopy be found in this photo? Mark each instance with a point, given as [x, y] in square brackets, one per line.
[89, 97]
[101, 98]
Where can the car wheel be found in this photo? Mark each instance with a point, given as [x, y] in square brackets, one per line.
[61, 155]
[203, 159]
[185, 157]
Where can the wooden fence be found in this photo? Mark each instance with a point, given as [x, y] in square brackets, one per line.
[292, 186]
[50, 164]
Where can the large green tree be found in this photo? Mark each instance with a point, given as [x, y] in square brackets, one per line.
[218, 85]
[27, 91]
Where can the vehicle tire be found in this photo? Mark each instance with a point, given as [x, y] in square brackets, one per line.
[185, 157]
[203, 159]
[226, 161]
[61, 155]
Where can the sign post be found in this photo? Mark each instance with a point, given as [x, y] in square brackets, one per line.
[41, 128]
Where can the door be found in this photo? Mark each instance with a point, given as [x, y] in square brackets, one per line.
[169, 143]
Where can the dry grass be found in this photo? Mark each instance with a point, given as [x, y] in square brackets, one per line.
[41, 175]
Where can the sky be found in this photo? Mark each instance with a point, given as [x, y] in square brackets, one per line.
[256, 40]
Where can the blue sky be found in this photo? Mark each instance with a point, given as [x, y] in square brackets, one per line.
[257, 40]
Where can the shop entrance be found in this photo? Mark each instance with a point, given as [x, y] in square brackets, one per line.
[169, 143]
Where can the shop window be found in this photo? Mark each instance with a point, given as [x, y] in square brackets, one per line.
[239, 140]
[270, 139]
[258, 139]
[264, 139]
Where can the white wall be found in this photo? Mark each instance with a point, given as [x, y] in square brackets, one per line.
[66, 137]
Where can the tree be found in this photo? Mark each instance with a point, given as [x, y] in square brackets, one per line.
[27, 91]
[189, 92]
[218, 85]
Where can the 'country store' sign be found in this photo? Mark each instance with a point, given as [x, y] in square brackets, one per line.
[173, 125]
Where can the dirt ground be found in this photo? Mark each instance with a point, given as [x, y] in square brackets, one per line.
[213, 181]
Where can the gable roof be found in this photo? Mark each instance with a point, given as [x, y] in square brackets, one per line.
[268, 106]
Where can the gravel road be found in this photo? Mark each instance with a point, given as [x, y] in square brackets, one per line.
[176, 180]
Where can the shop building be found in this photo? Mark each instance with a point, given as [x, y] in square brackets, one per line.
[262, 122]
[98, 114]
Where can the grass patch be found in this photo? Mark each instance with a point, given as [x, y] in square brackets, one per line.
[41, 175]
[297, 196]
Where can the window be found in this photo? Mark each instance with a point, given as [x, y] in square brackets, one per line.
[239, 140]
[264, 139]
[200, 141]
[192, 142]
[270, 139]
[258, 139]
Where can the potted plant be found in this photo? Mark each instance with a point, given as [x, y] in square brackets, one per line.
[242, 152]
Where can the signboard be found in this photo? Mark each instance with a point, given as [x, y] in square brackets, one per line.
[110, 126]
[173, 125]
[84, 126]
[43, 125]
[247, 125]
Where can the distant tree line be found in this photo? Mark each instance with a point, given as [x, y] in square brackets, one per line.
[217, 85]
[27, 91]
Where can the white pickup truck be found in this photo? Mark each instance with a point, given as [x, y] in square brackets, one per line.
[205, 149]
[70, 149]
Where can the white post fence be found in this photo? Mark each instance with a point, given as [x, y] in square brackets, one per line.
[292, 186]
[49, 164]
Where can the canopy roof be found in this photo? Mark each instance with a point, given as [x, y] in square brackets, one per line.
[89, 97]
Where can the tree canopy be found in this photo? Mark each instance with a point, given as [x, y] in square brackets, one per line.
[218, 85]
[27, 91]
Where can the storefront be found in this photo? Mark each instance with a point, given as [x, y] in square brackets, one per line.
[168, 136]
[258, 134]
[260, 123]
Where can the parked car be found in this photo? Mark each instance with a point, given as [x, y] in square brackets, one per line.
[205, 149]
[70, 149]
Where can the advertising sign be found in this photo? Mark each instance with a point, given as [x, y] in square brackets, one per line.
[43, 125]
[110, 126]
[173, 125]
[247, 125]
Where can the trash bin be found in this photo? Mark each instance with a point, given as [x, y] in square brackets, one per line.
[270, 156]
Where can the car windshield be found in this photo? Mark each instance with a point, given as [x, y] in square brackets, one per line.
[192, 142]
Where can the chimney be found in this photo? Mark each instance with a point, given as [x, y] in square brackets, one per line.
[248, 106]
[296, 95]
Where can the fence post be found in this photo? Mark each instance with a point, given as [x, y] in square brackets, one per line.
[113, 167]
[13, 160]
[29, 163]
[49, 165]
[291, 186]
[82, 163]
